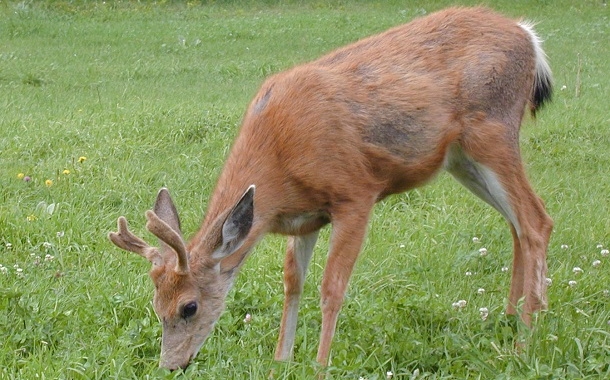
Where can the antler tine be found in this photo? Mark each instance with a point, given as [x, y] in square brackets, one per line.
[126, 240]
[170, 237]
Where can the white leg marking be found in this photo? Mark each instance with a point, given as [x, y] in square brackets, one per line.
[482, 181]
[303, 250]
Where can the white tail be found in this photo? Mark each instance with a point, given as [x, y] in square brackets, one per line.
[324, 141]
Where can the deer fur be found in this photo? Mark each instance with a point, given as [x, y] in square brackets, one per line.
[324, 141]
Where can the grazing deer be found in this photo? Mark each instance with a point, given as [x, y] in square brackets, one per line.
[324, 141]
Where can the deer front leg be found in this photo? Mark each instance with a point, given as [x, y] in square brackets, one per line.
[298, 256]
[346, 242]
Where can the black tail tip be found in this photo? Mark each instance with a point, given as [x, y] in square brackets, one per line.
[543, 93]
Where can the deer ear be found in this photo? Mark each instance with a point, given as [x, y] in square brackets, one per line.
[236, 227]
[166, 211]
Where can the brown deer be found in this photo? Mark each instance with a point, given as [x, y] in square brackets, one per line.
[324, 141]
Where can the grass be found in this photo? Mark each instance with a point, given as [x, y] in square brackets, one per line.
[151, 94]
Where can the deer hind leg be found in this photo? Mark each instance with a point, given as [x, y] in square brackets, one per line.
[494, 172]
[298, 256]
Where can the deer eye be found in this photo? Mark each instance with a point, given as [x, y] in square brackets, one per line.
[189, 309]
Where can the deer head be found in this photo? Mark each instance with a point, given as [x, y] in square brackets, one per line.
[189, 291]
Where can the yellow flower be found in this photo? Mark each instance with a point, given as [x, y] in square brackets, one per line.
[82, 159]
[31, 218]
[66, 171]
[20, 175]
[48, 182]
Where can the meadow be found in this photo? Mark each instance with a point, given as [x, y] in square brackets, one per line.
[103, 103]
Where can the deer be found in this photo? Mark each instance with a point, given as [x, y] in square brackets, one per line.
[322, 142]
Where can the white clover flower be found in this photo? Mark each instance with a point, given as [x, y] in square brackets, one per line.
[600, 246]
[604, 252]
[581, 311]
[16, 266]
[48, 257]
[577, 270]
[248, 318]
[549, 281]
[47, 245]
[459, 304]
[564, 87]
[402, 246]
[483, 251]
[3, 270]
[60, 234]
[389, 375]
[475, 239]
[484, 313]
[468, 273]
[596, 263]
[564, 246]
[504, 269]
[480, 291]
[8, 245]
[572, 283]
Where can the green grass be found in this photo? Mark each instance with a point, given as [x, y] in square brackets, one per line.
[152, 94]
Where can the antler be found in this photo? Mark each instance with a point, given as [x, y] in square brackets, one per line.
[169, 236]
[128, 241]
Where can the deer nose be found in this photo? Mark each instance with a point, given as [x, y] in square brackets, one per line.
[175, 366]
[182, 367]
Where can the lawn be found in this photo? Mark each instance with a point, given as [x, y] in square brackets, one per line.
[103, 103]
